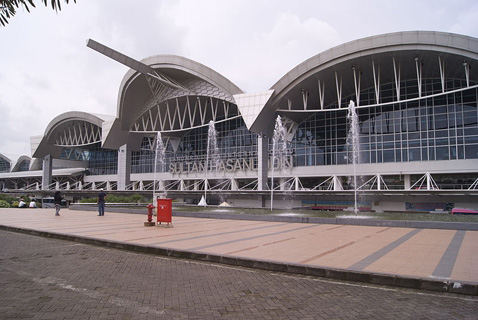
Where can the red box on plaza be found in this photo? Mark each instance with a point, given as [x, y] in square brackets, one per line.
[164, 210]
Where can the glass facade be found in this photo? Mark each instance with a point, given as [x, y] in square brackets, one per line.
[24, 165]
[442, 127]
[142, 161]
[233, 140]
[4, 165]
[100, 161]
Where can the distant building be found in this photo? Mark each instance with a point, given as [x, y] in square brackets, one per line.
[415, 95]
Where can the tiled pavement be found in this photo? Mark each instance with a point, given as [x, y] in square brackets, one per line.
[441, 260]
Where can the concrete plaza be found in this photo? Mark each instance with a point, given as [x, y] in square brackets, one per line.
[430, 259]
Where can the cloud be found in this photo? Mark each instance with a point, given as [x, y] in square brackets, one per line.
[466, 22]
[290, 41]
[252, 45]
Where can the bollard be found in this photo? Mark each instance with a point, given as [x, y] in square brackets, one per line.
[150, 221]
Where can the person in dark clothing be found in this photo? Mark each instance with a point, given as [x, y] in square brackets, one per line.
[101, 203]
[57, 200]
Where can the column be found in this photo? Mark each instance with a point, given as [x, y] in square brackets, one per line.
[337, 183]
[282, 184]
[234, 185]
[47, 172]
[407, 183]
[124, 167]
[262, 162]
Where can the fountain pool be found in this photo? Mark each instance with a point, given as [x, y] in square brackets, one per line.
[305, 212]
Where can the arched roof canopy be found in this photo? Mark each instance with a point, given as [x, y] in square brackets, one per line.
[182, 94]
[71, 129]
[321, 81]
[5, 163]
[22, 164]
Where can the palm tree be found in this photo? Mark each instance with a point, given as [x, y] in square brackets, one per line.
[8, 8]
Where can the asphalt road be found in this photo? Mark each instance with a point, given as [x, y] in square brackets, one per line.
[43, 278]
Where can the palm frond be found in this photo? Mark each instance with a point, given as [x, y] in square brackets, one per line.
[8, 7]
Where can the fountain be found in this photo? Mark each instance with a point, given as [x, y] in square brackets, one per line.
[212, 153]
[158, 157]
[279, 150]
[353, 140]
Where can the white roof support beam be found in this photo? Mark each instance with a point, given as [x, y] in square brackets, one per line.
[305, 95]
[357, 78]
[376, 82]
[175, 115]
[179, 114]
[338, 85]
[419, 67]
[202, 114]
[181, 118]
[156, 88]
[396, 72]
[163, 118]
[467, 73]
[213, 109]
[153, 120]
[226, 106]
[193, 115]
[79, 133]
[321, 87]
[168, 114]
[441, 64]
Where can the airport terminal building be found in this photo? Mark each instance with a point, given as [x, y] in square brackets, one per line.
[414, 95]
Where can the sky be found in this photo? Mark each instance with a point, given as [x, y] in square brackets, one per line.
[46, 69]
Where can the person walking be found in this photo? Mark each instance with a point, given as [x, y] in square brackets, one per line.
[101, 202]
[57, 201]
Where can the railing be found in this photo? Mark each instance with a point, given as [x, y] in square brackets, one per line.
[293, 184]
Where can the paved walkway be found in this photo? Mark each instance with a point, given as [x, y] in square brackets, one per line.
[443, 260]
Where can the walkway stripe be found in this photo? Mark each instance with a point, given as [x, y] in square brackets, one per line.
[219, 234]
[250, 238]
[447, 261]
[130, 225]
[365, 262]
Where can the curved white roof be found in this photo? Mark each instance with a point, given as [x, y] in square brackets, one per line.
[74, 128]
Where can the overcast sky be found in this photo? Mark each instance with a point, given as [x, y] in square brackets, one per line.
[46, 68]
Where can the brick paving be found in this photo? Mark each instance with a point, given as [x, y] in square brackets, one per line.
[44, 278]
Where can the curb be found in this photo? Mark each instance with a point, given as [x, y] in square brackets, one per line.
[437, 285]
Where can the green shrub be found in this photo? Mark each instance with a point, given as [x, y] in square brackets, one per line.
[136, 198]
[4, 204]
[5, 197]
[88, 200]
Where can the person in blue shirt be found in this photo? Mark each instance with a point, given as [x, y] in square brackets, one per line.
[101, 202]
